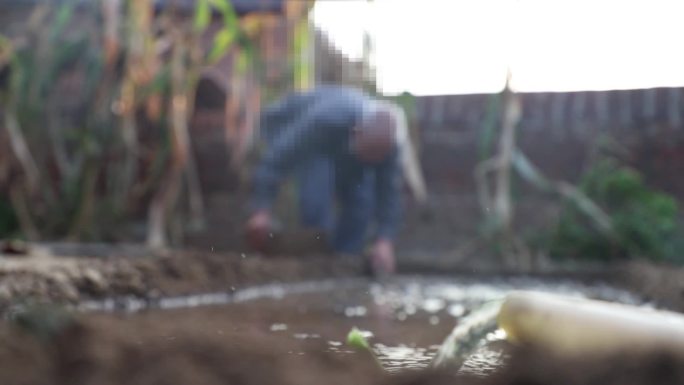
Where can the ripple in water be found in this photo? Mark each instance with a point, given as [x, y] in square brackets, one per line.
[433, 302]
[401, 357]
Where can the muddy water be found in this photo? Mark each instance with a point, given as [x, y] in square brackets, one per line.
[405, 319]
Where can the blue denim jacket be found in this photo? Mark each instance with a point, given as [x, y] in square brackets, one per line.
[319, 122]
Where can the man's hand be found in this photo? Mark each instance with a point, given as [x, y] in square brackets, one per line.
[382, 257]
[258, 228]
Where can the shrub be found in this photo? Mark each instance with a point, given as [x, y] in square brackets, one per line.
[645, 222]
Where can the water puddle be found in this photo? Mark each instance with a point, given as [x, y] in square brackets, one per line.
[405, 319]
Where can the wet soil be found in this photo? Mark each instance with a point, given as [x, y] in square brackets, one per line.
[56, 275]
[295, 340]
[661, 284]
[203, 349]
[66, 273]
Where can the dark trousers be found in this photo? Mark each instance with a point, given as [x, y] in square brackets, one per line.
[337, 201]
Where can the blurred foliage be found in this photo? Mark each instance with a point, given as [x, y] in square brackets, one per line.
[645, 221]
[45, 321]
[490, 127]
[96, 109]
[407, 102]
[8, 219]
[303, 71]
[357, 340]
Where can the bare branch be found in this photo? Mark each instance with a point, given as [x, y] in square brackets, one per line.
[28, 226]
[21, 151]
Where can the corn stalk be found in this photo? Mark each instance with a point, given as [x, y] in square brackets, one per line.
[187, 63]
[19, 191]
[141, 64]
[301, 43]
[95, 168]
[498, 207]
[111, 16]
[165, 198]
[21, 151]
[246, 94]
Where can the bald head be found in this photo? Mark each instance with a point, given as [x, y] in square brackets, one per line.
[374, 138]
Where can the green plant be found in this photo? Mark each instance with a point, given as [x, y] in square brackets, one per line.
[357, 340]
[644, 221]
[44, 321]
[85, 164]
[8, 219]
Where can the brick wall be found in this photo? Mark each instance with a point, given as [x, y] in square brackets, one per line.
[558, 131]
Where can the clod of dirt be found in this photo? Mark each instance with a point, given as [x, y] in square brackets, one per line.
[529, 366]
[662, 284]
[43, 277]
[14, 247]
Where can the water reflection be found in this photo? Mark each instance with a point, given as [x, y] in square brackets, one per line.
[405, 319]
[396, 358]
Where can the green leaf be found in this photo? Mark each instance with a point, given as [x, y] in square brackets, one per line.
[529, 171]
[64, 14]
[489, 128]
[221, 5]
[242, 61]
[6, 49]
[222, 42]
[356, 339]
[230, 18]
[5, 43]
[202, 15]
[161, 81]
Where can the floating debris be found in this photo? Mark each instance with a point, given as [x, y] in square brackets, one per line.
[355, 311]
[397, 358]
[305, 336]
[433, 305]
[456, 310]
[278, 327]
[469, 335]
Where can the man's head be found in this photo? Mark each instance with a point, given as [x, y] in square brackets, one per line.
[378, 133]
